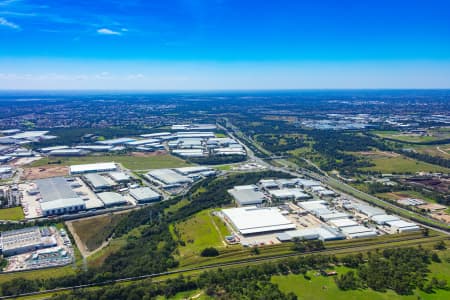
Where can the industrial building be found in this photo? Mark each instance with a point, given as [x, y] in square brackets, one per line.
[254, 220]
[247, 195]
[186, 171]
[57, 197]
[369, 211]
[97, 182]
[324, 233]
[49, 149]
[168, 178]
[289, 194]
[95, 148]
[23, 240]
[145, 194]
[358, 231]
[189, 153]
[341, 223]
[382, 219]
[157, 135]
[194, 127]
[115, 142]
[68, 152]
[111, 199]
[403, 226]
[142, 142]
[119, 177]
[93, 168]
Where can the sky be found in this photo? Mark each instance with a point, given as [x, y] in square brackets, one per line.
[224, 44]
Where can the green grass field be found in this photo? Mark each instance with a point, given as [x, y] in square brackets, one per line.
[39, 274]
[320, 287]
[198, 232]
[128, 161]
[12, 214]
[401, 164]
[433, 150]
[411, 138]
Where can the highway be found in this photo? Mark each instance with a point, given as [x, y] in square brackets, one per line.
[330, 181]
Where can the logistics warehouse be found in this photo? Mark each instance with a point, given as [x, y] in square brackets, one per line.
[57, 197]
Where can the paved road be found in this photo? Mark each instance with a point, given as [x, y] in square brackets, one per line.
[325, 178]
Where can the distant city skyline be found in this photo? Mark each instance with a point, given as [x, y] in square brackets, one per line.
[209, 45]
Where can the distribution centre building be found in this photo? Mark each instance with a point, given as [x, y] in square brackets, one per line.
[145, 194]
[57, 197]
[254, 220]
[93, 168]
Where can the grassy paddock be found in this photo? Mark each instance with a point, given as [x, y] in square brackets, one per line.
[12, 214]
[199, 232]
[94, 231]
[320, 287]
[401, 164]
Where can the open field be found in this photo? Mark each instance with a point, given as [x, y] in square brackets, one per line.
[128, 161]
[320, 287]
[405, 194]
[432, 136]
[199, 232]
[94, 231]
[12, 214]
[401, 164]
[39, 274]
[433, 150]
[44, 172]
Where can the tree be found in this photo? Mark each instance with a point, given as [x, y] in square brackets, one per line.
[209, 252]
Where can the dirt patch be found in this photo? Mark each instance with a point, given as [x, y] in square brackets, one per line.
[44, 172]
[379, 153]
[149, 154]
[432, 206]
[442, 217]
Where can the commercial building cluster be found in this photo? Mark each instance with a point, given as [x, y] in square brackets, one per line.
[280, 210]
[89, 187]
[36, 247]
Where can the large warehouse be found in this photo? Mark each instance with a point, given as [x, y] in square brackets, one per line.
[168, 177]
[254, 220]
[111, 199]
[57, 197]
[23, 240]
[247, 195]
[97, 182]
[145, 194]
[93, 168]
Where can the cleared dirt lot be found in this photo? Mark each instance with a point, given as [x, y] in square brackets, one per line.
[44, 172]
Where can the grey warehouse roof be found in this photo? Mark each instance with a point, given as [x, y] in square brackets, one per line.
[55, 188]
[111, 198]
[97, 181]
[247, 196]
[168, 176]
[144, 194]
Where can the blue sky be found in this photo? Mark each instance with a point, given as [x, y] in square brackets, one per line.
[224, 44]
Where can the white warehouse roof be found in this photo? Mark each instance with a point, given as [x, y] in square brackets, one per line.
[99, 167]
[340, 223]
[252, 220]
[382, 219]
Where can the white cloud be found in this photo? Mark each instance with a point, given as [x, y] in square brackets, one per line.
[107, 31]
[4, 22]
